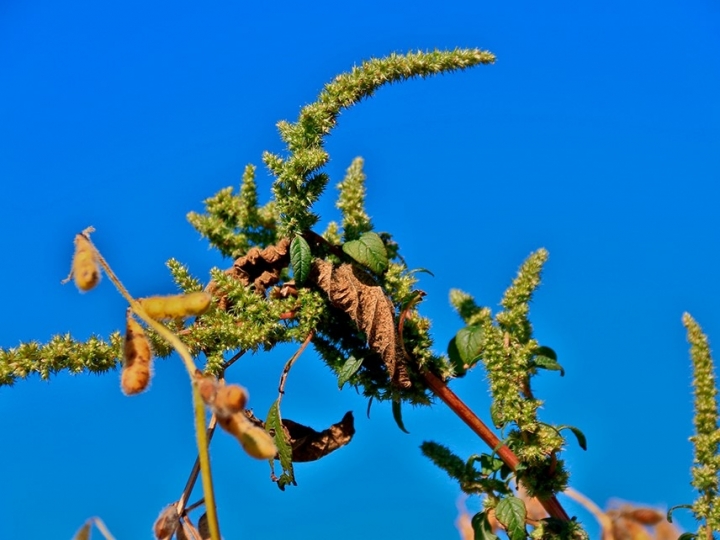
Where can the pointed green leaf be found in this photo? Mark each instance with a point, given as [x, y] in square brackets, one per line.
[274, 422]
[482, 528]
[545, 362]
[469, 343]
[397, 415]
[83, 533]
[511, 513]
[349, 369]
[687, 536]
[300, 259]
[579, 435]
[369, 405]
[368, 250]
[670, 512]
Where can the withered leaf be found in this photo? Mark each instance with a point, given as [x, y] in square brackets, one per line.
[307, 444]
[310, 445]
[367, 305]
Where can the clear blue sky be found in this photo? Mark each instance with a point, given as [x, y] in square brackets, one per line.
[595, 135]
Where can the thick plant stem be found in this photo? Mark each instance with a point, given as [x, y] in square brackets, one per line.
[440, 389]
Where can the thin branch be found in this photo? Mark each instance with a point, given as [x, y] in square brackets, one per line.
[289, 364]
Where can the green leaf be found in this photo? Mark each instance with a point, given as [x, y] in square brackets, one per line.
[300, 259]
[368, 250]
[274, 422]
[481, 527]
[670, 512]
[348, 369]
[397, 415]
[547, 352]
[687, 536]
[545, 362]
[579, 435]
[511, 513]
[455, 360]
[469, 343]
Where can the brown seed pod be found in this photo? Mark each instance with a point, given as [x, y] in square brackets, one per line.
[229, 400]
[255, 440]
[167, 523]
[85, 268]
[208, 387]
[645, 516]
[136, 369]
[176, 306]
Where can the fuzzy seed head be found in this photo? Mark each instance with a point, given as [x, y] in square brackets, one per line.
[176, 306]
[85, 268]
[255, 440]
[136, 369]
[167, 523]
[229, 400]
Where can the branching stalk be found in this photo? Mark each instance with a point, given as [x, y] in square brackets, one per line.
[440, 389]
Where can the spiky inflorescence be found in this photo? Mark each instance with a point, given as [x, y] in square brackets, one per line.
[298, 183]
[235, 223]
[351, 202]
[707, 436]
[61, 353]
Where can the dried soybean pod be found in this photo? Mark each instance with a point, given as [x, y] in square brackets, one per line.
[255, 440]
[229, 400]
[85, 268]
[136, 369]
[176, 306]
[167, 523]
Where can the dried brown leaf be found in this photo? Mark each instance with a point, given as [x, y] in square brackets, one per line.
[262, 267]
[365, 303]
[310, 445]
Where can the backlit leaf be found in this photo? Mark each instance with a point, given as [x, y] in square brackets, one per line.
[469, 343]
[511, 512]
[349, 369]
[368, 250]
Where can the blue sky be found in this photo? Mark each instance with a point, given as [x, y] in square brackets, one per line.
[595, 135]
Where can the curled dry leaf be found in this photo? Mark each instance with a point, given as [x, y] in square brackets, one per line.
[262, 267]
[367, 305]
[308, 444]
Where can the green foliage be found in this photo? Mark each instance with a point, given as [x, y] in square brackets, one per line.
[706, 440]
[299, 184]
[235, 223]
[300, 259]
[369, 251]
[274, 423]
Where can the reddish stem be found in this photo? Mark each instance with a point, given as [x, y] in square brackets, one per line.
[440, 389]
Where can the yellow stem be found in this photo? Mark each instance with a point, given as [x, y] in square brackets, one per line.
[198, 405]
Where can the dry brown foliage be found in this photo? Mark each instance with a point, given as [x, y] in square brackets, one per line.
[310, 445]
[365, 302]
